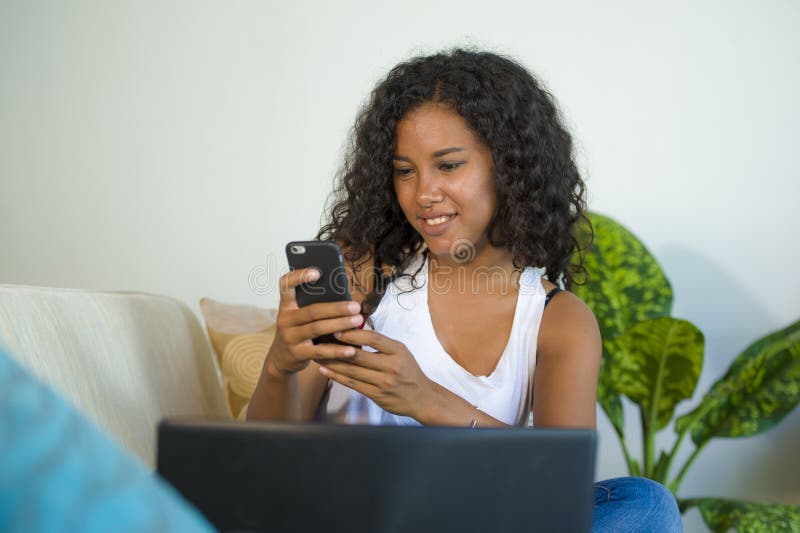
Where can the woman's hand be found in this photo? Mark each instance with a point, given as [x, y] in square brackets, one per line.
[390, 377]
[293, 349]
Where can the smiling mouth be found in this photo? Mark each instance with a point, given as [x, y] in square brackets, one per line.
[433, 222]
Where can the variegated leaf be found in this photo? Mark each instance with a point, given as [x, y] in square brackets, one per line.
[760, 388]
[656, 364]
[625, 285]
[748, 517]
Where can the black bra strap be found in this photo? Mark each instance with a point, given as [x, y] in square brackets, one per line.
[550, 295]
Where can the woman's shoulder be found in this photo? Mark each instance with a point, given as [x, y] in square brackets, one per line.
[566, 320]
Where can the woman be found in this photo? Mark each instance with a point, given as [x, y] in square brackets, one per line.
[458, 189]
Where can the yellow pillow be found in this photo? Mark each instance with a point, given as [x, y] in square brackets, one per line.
[241, 336]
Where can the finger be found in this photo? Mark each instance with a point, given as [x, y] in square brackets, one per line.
[290, 280]
[325, 352]
[321, 311]
[356, 372]
[373, 360]
[380, 342]
[368, 390]
[318, 328]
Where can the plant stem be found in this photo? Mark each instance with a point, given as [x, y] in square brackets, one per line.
[652, 418]
[692, 421]
[633, 466]
[672, 452]
[647, 444]
[676, 483]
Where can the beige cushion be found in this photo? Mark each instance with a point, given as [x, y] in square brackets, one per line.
[241, 336]
[127, 360]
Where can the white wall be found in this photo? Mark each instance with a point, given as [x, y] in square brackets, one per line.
[174, 147]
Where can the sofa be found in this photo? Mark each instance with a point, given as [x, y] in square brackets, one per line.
[124, 359]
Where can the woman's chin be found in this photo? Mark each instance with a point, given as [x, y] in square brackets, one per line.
[438, 247]
[441, 249]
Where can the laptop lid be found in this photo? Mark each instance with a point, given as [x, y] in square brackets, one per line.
[292, 476]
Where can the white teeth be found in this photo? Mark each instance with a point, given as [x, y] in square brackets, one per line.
[438, 220]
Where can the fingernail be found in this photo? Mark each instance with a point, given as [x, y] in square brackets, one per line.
[337, 334]
[313, 275]
[353, 307]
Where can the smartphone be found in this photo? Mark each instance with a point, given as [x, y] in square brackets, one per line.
[331, 286]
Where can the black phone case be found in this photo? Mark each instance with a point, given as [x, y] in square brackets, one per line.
[331, 286]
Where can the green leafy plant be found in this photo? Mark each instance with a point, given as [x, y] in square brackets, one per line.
[654, 360]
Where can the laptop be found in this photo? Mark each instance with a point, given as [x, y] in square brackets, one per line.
[295, 476]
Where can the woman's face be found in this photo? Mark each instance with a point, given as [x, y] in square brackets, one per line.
[442, 168]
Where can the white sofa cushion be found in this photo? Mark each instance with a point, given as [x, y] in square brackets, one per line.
[126, 360]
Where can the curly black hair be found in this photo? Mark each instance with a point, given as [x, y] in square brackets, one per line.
[540, 192]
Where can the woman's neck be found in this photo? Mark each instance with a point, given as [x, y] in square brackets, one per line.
[490, 271]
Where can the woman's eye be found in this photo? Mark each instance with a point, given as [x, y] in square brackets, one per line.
[403, 171]
[447, 167]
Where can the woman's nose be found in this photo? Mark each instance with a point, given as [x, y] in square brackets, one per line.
[428, 190]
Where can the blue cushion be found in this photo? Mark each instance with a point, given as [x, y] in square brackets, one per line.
[58, 472]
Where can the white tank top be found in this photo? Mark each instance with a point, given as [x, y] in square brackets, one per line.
[403, 315]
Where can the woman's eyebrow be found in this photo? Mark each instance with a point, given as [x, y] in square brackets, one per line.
[437, 153]
[445, 151]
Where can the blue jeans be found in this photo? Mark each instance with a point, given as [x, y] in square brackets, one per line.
[631, 504]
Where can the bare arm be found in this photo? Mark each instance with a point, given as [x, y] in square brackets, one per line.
[448, 409]
[568, 365]
[292, 397]
[295, 393]
[280, 393]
